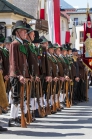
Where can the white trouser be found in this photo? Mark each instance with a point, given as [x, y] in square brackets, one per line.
[10, 97]
[14, 111]
[33, 102]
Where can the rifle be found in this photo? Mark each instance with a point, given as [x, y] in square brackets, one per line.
[37, 94]
[29, 115]
[33, 88]
[67, 96]
[60, 86]
[71, 90]
[23, 120]
[63, 91]
[54, 92]
[43, 109]
[48, 109]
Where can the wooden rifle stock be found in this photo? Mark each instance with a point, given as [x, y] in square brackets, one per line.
[37, 94]
[48, 109]
[67, 96]
[54, 92]
[23, 120]
[60, 85]
[29, 115]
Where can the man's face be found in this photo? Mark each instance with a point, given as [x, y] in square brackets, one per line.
[51, 51]
[45, 44]
[70, 52]
[58, 51]
[32, 35]
[7, 45]
[75, 53]
[64, 52]
[21, 33]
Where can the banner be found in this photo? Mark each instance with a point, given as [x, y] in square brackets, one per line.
[50, 14]
[87, 46]
[57, 21]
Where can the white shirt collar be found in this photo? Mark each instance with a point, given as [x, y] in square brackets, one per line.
[48, 53]
[19, 40]
[55, 55]
[61, 55]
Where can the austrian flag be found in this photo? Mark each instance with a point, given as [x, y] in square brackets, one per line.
[53, 12]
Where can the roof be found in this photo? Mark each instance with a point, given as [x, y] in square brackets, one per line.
[65, 5]
[80, 11]
[64, 14]
[6, 7]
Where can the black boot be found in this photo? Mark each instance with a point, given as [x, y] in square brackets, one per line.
[3, 129]
[14, 123]
[4, 111]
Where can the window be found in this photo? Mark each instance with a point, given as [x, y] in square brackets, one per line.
[75, 21]
[81, 49]
[81, 36]
[3, 30]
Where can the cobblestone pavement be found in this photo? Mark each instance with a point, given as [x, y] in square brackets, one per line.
[70, 123]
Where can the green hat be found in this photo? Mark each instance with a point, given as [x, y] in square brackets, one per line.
[44, 39]
[50, 45]
[8, 39]
[30, 30]
[19, 25]
[56, 45]
[64, 47]
[2, 38]
[68, 46]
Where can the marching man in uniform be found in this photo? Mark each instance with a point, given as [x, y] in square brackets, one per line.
[18, 69]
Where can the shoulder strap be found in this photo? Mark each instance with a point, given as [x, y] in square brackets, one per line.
[31, 47]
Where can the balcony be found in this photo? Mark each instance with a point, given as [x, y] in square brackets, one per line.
[42, 25]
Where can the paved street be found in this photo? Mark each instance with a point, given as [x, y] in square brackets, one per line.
[73, 123]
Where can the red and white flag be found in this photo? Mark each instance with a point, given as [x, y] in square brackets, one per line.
[50, 14]
[42, 9]
[53, 13]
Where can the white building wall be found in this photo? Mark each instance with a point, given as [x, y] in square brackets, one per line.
[63, 28]
[77, 41]
[81, 19]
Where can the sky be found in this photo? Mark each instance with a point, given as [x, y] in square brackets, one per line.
[79, 3]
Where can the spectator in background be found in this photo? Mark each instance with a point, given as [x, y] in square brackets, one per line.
[25, 22]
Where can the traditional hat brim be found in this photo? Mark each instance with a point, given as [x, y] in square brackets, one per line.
[37, 41]
[7, 41]
[56, 47]
[30, 31]
[45, 40]
[19, 27]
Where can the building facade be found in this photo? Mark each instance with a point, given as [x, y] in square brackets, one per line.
[29, 6]
[78, 18]
[8, 17]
